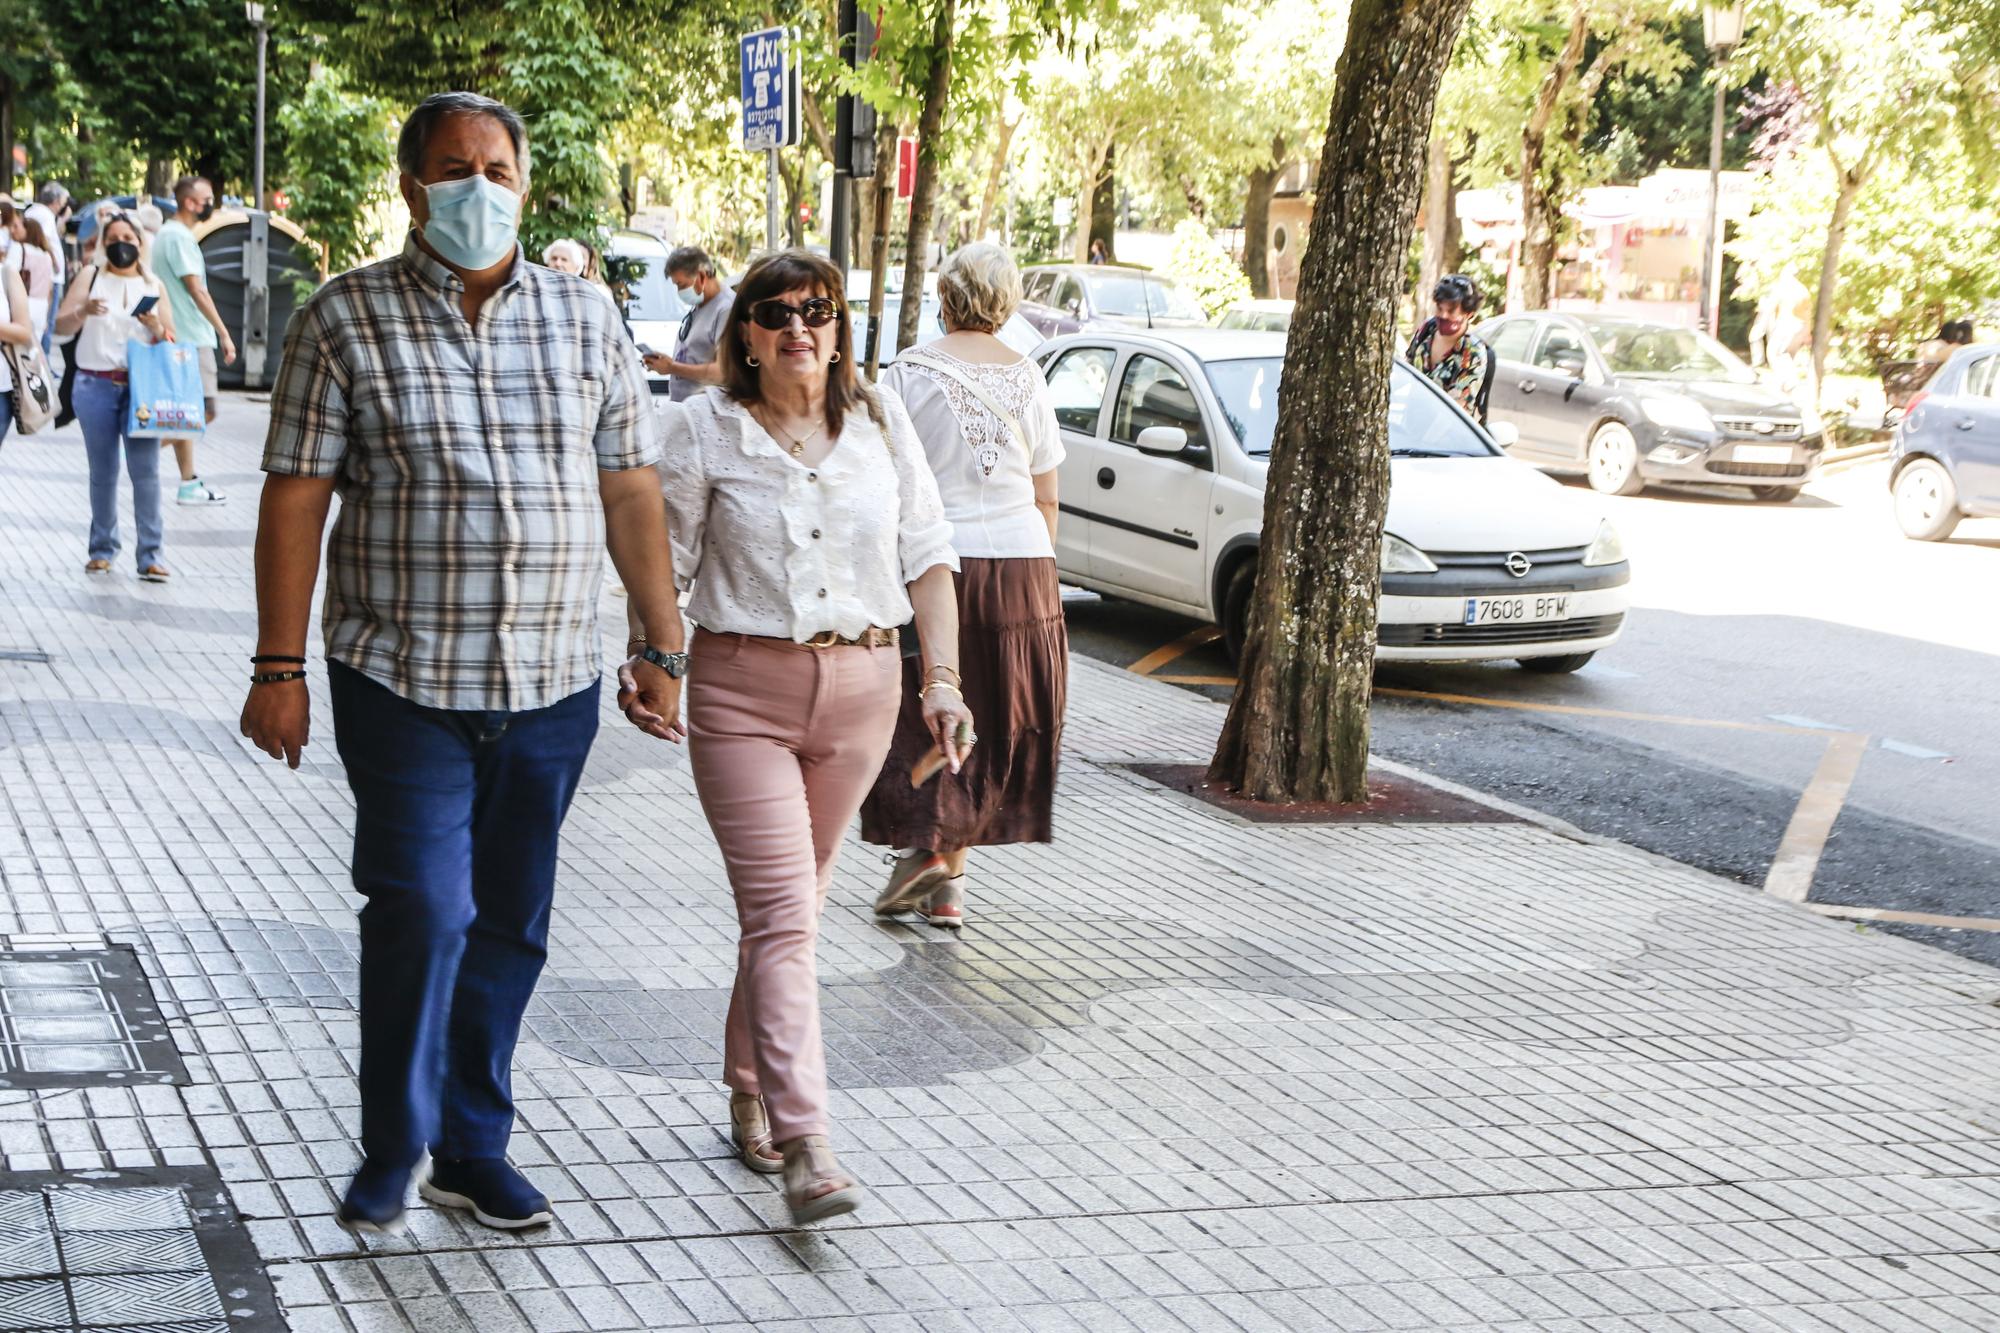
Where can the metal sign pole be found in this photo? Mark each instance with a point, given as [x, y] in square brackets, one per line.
[771, 199]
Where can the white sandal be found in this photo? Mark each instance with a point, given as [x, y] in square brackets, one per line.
[946, 908]
[810, 1163]
[750, 1131]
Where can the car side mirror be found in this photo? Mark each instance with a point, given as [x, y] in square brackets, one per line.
[1570, 364]
[1505, 434]
[1162, 442]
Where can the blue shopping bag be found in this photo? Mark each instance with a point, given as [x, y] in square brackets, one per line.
[165, 380]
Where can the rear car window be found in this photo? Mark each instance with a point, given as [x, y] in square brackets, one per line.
[1076, 387]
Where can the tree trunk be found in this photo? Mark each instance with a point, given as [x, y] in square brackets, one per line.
[1104, 208]
[1851, 181]
[1095, 164]
[993, 174]
[1257, 220]
[159, 176]
[878, 257]
[795, 194]
[7, 133]
[1298, 725]
[1441, 238]
[864, 221]
[1538, 209]
[923, 197]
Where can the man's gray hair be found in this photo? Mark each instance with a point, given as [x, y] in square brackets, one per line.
[415, 139]
[690, 259]
[52, 195]
[978, 287]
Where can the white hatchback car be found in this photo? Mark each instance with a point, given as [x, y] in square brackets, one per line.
[1168, 435]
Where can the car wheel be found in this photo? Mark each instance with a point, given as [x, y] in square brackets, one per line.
[1236, 610]
[1926, 501]
[1776, 494]
[1560, 665]
[1613, 461]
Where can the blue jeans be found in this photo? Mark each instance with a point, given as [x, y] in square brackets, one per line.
[457, 816]
[49, 324]
[6, 413]
[100, 410]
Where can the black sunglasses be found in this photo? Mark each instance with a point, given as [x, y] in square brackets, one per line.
[774, 314]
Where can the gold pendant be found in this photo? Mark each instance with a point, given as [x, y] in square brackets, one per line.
[798, 449]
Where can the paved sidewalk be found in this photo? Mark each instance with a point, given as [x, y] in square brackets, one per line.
[1182, 1073]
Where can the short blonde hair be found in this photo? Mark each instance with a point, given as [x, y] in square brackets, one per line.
[979, 287]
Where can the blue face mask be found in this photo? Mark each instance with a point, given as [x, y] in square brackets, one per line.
[472, 221]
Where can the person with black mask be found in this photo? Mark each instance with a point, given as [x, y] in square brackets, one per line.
[102, 309]
[177, 258]
[1445, 350]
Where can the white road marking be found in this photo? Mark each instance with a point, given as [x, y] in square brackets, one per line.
[1603, 672]
[1807, 723]
[1913, 751]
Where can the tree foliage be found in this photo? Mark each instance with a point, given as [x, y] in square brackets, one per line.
[338, 168]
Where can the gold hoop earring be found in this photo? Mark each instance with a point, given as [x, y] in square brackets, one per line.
[835, 357]
[749, 360]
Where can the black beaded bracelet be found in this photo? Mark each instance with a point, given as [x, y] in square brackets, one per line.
[276, 677]
[276, 657]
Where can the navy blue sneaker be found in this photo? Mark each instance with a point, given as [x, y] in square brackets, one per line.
[376, 1200]
[495, 1193]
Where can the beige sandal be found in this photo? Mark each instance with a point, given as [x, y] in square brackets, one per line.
[809, 1165]
[946, 907]
[750, 1131]
[910, 882]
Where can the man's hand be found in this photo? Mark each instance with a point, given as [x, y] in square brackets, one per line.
[651, 700]
[228, 350]
[659, 363]
[278, 719]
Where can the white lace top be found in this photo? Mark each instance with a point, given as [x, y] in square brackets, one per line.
[776, 547]
[985, 478]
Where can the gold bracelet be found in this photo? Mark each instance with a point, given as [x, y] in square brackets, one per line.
[956, 678]
[944, 685]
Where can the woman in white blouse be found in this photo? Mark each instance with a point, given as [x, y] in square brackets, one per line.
[807, 524]
[984, 415]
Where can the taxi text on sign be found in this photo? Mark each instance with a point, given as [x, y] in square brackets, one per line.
[770, 112]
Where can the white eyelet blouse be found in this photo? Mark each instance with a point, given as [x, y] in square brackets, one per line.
[778, 548]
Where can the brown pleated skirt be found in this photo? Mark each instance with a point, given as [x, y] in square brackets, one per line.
[1013, 651]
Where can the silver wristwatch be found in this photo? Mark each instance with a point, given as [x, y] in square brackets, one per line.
[674, 664]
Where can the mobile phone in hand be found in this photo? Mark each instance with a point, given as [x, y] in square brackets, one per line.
[645, 350]
[145, 306]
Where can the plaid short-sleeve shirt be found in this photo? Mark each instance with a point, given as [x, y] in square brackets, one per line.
[464, 567]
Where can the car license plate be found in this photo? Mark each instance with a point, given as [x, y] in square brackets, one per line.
[1529, 609]
[1763, 453]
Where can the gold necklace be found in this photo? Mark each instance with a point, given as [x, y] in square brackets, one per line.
[798, 446]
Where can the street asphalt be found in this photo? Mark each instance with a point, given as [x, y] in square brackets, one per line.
[1758, 634]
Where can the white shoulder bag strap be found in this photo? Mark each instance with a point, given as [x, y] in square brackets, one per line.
[987, 400]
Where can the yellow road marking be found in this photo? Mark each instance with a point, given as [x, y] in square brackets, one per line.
[1580, 710]
[1180, 647]
[1805, 837]
[1196, 680]
[1907, 918]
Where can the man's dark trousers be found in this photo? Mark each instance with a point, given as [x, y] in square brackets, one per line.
[457, 816]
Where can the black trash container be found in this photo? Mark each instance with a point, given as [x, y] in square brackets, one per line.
[291, 272]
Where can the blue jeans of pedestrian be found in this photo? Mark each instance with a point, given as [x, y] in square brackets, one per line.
[6, 413]
[457, 816]
[100, 410]
[49, 324]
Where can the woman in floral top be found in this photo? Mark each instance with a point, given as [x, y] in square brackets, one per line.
[1445, 349]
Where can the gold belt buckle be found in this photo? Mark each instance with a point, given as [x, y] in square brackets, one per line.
[826, 638]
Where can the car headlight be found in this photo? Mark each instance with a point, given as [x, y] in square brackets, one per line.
[1810, 421]
[1608, 548]
[1399, 557]
[1676, 413]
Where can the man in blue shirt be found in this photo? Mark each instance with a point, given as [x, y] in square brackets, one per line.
[177, 259]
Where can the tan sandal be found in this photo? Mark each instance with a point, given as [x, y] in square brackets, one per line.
[910, 882]
[946, 907]
[750, 1131]
[98, 567]
[815, 1186]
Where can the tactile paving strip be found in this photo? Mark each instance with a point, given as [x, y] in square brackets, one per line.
[81, 1018]
[160, 1249]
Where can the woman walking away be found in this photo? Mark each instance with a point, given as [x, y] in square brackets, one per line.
[38, 271]
[806, 523]
[17, 327]
[102, 309]
[983, 413]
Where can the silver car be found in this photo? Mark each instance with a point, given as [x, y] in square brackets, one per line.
[1630, 401]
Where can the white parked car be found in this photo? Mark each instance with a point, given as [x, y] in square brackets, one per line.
[1168, 435]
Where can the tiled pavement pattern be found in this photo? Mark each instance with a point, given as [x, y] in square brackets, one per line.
[1182, 1073]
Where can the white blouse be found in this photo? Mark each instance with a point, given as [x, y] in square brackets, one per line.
[776, 547]
[100, 343]
[985, 477]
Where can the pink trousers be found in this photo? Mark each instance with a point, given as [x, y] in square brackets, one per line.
[785, 742]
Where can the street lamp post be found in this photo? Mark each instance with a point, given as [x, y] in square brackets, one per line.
[1721, 30]
[254, 11]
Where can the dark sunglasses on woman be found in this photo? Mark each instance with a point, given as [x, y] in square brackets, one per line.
[774, 314]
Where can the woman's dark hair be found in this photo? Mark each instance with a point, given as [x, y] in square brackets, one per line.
[774, 275]
[1459, 290]
[35, 235]
[1958, 331]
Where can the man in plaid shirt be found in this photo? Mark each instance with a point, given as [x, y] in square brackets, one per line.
[488, 429]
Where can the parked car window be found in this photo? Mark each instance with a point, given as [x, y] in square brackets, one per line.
[1420, 420]
[1510, 338]
[1559, 343]
[1665, 351]
[1154, 394]
[1068, 296]
[1076, 386]
[1134, 295]
[1039, 282]
[1979, 378]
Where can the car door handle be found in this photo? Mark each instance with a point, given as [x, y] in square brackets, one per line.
[1106, 478]
[1965, 423]
[1527, 386]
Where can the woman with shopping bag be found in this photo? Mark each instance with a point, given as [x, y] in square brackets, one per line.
[114, 301]
[17, 330]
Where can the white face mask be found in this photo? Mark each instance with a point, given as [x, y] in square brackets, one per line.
[472, 221]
